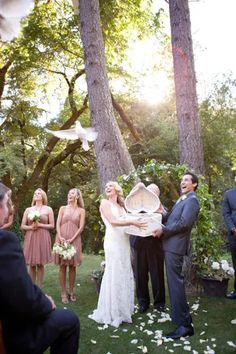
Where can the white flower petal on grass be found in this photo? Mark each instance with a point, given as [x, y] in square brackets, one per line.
[233, 321]
[143, 348]
[125, 330]
[195, 352]
[177, 345]
[171, 350]
[203, 332]
[209, 350]
[112, 336]
[93, 341]
[78, 284]
[231, 344]
[132, 333]
[186, 342]
[204, 310]
[134, 341]
[109, 353]
[164, 319]
[166, 340]
[149, 333]
[213, 339]
[206, 324]
[150, 322]
[203, 340]
[158, 333]
[115, 330]
[159, 342]
[142, 324]
[187, 348]
[195, 307]
[150, 315]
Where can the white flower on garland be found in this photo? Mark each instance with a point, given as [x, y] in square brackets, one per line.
[65, 250]
[34, 215]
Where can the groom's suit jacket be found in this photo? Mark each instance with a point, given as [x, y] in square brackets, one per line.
[22, 304]
[178, 224]
[229, 213]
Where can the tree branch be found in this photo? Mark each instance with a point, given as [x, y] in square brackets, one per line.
[125, 119]
[3, 72]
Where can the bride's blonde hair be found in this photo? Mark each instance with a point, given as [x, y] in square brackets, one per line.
[119, 192]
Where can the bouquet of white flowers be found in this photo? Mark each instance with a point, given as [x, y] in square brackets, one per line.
[34, 215]
[65, 250]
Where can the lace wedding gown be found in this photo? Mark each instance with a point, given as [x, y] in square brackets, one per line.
[116, 298]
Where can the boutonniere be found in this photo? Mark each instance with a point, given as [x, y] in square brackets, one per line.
[183, 197]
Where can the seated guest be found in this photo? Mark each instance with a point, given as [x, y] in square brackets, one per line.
[30, 321]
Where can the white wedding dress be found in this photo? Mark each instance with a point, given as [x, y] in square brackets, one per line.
[116, 298]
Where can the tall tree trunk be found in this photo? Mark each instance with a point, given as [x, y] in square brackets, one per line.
[112, 155]
[191, 150]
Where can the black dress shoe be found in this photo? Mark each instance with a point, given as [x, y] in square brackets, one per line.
[142, 309]
[231, 295]
[181, 331]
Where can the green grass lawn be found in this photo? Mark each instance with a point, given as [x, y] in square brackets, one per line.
[212, 321]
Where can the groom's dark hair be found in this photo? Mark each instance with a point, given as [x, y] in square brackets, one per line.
[194, 178]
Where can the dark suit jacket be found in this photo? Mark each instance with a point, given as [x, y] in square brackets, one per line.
[22, 304]
[229, 213]
[178, 224]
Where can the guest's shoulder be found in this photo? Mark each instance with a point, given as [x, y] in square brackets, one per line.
[230, 191]
[8, 236]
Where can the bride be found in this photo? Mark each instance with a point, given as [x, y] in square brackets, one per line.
[116, 298]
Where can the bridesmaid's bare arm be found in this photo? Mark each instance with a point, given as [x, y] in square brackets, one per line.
[51, 223]
[81, 225]
[24, 223]
[58, 224]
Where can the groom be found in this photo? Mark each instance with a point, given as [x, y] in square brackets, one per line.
[229, 213]
[175, 238]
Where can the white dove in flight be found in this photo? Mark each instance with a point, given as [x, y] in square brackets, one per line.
[84, 134]
[11, 13]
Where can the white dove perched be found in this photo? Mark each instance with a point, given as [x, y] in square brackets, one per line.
[84, 134]
[11, 13]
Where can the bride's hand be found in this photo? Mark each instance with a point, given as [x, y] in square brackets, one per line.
[140, 224]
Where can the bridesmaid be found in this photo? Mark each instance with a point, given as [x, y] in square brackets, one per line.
[70, 224]
[37, 243]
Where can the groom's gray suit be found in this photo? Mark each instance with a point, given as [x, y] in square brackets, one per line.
[176, 237]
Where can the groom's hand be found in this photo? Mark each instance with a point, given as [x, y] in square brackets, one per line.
[157, 233]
